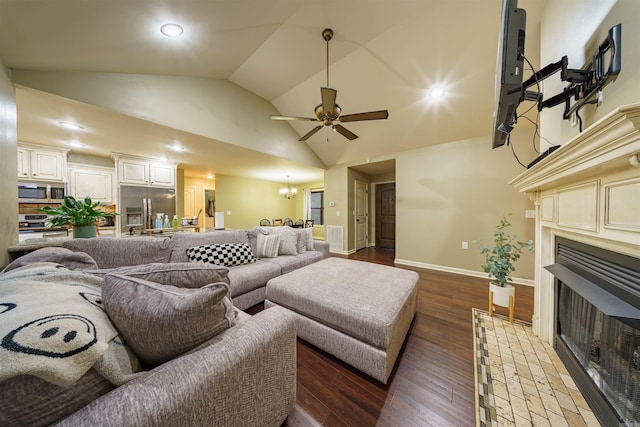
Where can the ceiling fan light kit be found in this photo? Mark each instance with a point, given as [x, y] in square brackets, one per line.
[328, 111]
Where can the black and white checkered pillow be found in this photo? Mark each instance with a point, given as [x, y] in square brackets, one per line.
[226, 254]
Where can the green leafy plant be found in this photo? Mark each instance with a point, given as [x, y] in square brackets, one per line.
[75, 212]
[506, 250]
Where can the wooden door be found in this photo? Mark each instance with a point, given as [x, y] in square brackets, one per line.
[190, 202]
[361, 215]
[386, 215]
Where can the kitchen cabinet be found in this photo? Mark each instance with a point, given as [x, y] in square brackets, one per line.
[93, 181]
[41, 163]
[133, 172]
[140, 171]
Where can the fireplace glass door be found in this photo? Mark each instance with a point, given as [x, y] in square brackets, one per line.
[608, 349]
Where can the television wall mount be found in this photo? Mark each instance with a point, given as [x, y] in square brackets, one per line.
[584, 83]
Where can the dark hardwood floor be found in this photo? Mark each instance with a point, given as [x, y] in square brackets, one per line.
[432, 383]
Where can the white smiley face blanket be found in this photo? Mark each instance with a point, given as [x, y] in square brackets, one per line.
[52, 324]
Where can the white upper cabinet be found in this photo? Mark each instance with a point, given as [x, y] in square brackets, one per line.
[163, 175]
[24, 163]
[93, 181]
[133, 172]
[41, 163]
[140, 171]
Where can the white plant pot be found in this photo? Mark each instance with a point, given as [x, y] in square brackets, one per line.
[501, 295]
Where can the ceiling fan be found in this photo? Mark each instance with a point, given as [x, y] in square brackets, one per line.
[328, 111]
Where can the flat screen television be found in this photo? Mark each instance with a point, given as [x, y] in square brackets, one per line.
[509, 70]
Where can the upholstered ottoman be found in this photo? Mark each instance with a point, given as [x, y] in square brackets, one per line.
[358, 311]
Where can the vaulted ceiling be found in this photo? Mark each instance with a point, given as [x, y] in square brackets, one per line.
[385, 54]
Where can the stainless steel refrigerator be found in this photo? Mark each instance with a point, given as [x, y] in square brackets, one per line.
[139, 206]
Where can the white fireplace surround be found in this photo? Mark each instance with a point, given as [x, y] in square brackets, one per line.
[588, 190]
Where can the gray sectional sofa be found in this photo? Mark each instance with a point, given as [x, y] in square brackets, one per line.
[243, 373]
[248, 281]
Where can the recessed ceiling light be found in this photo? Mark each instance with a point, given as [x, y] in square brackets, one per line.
[437, 93]
[171, 30]
[70, 125]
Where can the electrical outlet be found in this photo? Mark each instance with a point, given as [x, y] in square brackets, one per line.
[465, 245]
[337, 213]
[530, 213]
[228, 212]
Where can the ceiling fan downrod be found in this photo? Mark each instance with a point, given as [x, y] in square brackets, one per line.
[327, 35]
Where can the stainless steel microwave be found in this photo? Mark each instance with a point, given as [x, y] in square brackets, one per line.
[38, 192]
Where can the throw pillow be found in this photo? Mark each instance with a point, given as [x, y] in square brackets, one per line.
[226, 254]
[288, 240]
[63, 256]
[307, 234]
[160, 322]
[267, 246]
[180, 274]
[301, 244]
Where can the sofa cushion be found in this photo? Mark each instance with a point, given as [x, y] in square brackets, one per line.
[63, 256]
[290, 263]
[160, 322]
[109, 253]
[245, 278]
[180, 242]
[267, 245]
[227, 254]
[180, 274]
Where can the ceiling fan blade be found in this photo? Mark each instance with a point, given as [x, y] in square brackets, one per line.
[345, 132]
[328, 99]
[371, 115]
[310, 133]
[306, 119]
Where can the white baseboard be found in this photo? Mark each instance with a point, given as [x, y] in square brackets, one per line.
[517, 280]
[349, 252]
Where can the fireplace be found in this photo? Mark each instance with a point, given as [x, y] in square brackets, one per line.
[587, 257]
[597, 336]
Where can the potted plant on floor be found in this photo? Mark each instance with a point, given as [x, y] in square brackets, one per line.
[82, 215]
[499, 262]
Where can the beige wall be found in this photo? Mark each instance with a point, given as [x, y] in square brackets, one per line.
[576, 38]
[457, 192]
[445, 195]
[250, 200]
[8, 166]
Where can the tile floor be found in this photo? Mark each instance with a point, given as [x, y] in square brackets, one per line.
[520, 381]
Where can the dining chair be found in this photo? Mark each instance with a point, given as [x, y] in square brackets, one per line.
[308, 223]
[299, 223]
[276, 221]
[265, 222]
[288, 222]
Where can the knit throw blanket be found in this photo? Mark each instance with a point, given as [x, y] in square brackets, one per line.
[52, 324]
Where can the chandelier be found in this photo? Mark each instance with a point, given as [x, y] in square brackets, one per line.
[288, 192]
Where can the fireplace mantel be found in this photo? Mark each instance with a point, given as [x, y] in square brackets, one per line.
[587, 190]
[608, 143]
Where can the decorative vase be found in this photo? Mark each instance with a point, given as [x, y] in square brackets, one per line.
[502, 296]
[84, 231]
